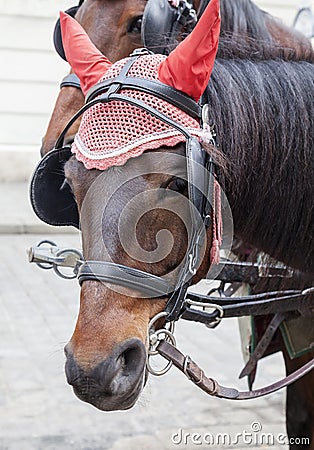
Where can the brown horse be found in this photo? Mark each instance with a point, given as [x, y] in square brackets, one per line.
[115, 29]
[98, 342]
[106, 355]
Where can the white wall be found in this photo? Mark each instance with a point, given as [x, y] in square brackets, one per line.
[31, 71]
[284, 9]
[29, 79]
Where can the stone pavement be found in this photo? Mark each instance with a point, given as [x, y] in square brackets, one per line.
[17, 215]
[38, 410]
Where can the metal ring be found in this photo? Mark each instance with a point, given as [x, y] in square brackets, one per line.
[46, 241]
[45, 266]
[159, 316]
[169, 338]
[160, 372]
[155, 318]
[60, 253]
[154, 335]
[61, 275]
[70, 250]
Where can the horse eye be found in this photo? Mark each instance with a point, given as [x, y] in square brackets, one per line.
[135, 25]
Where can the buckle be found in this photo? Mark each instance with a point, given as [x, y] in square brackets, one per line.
[186, 13]
[141, 51]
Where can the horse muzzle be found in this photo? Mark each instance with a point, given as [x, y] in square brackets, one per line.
[113, 384]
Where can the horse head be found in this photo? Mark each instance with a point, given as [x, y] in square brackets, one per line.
[141, 182]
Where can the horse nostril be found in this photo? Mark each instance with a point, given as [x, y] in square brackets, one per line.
[123, 368]
[114, 383]
[131, 358]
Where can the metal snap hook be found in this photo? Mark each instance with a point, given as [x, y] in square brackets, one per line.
[205, 306]
[48, 265]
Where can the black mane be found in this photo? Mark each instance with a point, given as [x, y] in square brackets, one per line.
[263, 106]
[243, 17]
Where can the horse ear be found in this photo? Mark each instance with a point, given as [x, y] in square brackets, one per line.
[86, 60]
[189, 66]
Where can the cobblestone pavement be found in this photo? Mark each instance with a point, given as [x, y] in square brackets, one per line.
[39, 410]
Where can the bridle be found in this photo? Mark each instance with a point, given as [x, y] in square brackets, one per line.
[200, 189]
[180, 304]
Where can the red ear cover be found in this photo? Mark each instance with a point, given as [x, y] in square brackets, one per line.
[189, 66]
[87, 62]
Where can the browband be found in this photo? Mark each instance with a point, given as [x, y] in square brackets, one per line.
[154, 87]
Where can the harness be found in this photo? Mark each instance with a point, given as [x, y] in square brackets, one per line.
[58, 208]
[200, 190]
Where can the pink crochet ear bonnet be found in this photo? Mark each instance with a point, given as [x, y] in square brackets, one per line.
[111, 133]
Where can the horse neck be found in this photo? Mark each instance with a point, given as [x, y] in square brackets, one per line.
[264, 112]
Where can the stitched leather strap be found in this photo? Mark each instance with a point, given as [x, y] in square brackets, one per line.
[148, 284]
[71, 80]
[212, 387]
[156, 88]
[253, 305]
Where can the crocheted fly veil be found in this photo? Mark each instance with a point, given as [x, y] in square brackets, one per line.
[111, 133]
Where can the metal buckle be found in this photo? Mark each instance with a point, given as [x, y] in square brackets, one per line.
[205, 306]
[141, 51]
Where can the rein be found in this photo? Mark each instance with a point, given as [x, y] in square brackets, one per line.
[187, 366]
[161, 340]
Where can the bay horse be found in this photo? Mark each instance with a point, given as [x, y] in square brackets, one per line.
[227, 49]
[261, 185]
[115, 29]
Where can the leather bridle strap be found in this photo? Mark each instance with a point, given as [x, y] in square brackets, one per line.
[153, 87]
[212, 387]
[151, 286]
[252, 305]
[71, 80]
[147, 283]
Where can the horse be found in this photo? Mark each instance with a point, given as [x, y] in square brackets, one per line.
[264, 98]
[226, 49]
[115, 29]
